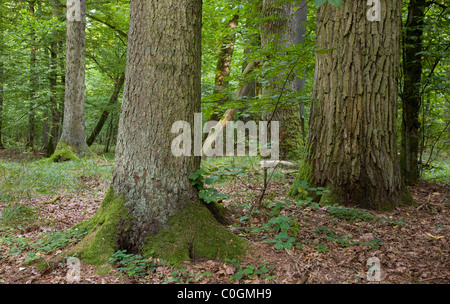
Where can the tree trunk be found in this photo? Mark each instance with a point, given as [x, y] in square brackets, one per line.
[1, 96]
[53, 80]
[411, 97]
[33, 84]
[112, 100]
[2, 78]
[287, 29]
[73, 134]
[109, 134]
[352, 139]
[151, 206]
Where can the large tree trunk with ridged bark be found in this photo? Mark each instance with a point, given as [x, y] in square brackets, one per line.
[352, 139]
[73, 129]
[151, 206]
[286, 27]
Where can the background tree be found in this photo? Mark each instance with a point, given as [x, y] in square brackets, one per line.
[73, 125]
[411, 95]
[53, 81]
[1, 76]
[284, 27]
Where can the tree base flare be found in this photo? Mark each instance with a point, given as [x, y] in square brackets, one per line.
[192, 233]
[63, 153]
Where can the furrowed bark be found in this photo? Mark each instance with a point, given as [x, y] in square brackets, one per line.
[352, 139]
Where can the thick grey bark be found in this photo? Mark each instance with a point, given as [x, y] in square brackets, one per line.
[73, 125]
[162, 86]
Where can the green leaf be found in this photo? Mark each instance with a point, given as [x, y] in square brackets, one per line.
[319, 3]
[337, 3]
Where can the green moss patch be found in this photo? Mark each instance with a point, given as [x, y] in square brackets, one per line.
[304, 174]
[194, 234]
[63, 152]
[101, 241]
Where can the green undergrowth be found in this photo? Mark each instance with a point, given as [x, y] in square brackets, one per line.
[101, 241]
[27, 180]
[223, 170]
[438, 170]
[282, 227]
[193, 233]
[36, 247]
[146, 266]
[65, 152]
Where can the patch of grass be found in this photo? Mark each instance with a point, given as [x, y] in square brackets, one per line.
[358, 215]
[34, 249]
[25, 180]
[15, 214]
[438, 171]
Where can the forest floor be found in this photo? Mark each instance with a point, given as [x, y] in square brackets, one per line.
[293, 242]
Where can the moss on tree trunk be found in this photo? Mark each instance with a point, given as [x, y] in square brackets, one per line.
[192, 233]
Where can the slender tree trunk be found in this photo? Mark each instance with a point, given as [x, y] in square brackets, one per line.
[154, 206]
[62, 68]
[352, 139]
[288, 28]
[109, 135]
[1, 91]
[73, 126]
[53, 80]
[411, 97]
[33, 83]
[112, 100]
[45, 129]
[2, 78]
